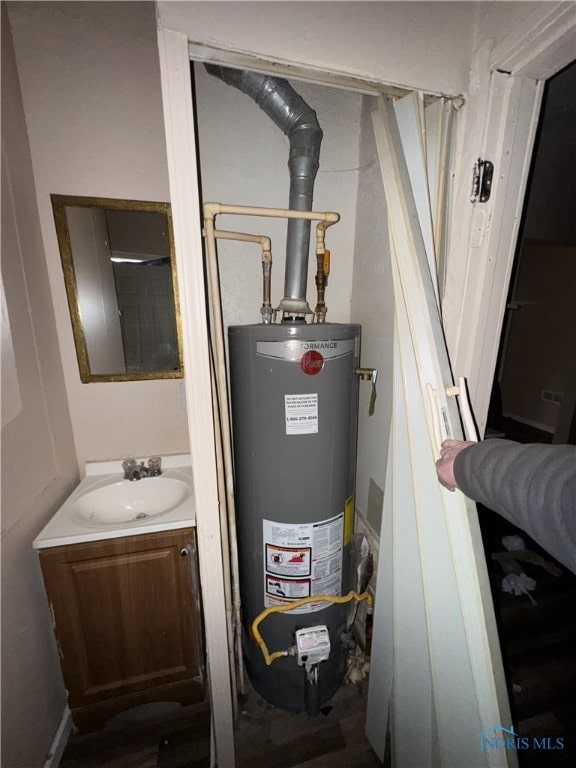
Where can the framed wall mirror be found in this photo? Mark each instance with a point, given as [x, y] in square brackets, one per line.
[120, 274]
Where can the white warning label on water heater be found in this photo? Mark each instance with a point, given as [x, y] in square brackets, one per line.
[302, 560]
[301, 413]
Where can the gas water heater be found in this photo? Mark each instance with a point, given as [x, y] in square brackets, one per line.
[294, 397]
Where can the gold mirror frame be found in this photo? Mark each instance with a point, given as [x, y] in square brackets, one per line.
[59, 205]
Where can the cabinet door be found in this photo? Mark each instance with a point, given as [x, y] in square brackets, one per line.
[126, 613]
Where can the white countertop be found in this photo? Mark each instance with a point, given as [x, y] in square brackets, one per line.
[66, 527]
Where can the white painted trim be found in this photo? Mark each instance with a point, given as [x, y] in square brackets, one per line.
[294, 70]
[60, 740]
[540, 46]
[184, 193]
[500, 126]
[414, 732]
[410, 116]
[439, 121]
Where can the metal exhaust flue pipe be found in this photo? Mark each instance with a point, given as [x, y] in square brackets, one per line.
[299, 123]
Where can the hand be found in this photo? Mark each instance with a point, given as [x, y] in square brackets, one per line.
[445, 464]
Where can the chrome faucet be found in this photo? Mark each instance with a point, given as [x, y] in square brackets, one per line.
[135, 471]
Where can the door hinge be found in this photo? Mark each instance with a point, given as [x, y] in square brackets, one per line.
[482, 181]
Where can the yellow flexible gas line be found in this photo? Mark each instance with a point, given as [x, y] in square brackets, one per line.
[270, 657]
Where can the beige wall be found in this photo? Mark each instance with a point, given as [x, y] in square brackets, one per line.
[420, 45]
[90, 83]
[425, 45]
[82, 115]
[541, 341]
[38, 457]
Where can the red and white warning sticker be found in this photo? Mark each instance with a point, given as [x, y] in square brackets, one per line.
[290, 589]
[288, 561]
[294, 551]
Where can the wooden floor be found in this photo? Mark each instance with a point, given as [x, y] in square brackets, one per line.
[540, 653]
[270, 737]
[266, 737]
[538, 643]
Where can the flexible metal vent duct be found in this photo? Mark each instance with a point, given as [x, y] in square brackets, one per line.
[298, 121]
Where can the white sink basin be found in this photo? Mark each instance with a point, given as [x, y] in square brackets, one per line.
[127, 501]
[105, 506]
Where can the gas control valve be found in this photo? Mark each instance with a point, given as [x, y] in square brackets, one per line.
[312, 647]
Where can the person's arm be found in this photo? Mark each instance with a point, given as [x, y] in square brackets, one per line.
[533, 486]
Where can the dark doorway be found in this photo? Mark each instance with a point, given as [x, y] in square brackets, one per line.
[533, 400]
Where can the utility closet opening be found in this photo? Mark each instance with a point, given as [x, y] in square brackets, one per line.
[243, 160]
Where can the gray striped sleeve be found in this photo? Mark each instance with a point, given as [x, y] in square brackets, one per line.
[533, 486]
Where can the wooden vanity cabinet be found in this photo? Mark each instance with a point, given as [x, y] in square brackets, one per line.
[127, 619]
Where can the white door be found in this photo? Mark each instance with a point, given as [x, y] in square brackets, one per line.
[436, 676]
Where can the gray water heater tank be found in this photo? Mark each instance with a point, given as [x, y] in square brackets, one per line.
[294, 415]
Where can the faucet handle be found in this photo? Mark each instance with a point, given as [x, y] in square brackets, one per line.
[155, 465]
[129, 465]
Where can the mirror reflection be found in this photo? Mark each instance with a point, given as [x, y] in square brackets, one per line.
[120, 274]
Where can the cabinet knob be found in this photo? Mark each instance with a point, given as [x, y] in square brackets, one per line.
[184, 552]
